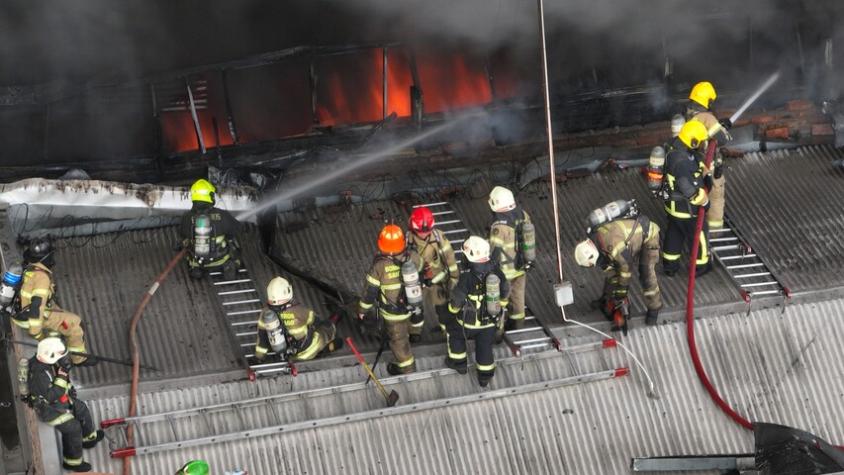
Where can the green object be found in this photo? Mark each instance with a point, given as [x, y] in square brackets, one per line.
[194, 467]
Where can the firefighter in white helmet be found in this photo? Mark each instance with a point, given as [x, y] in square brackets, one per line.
[701, 98]
[615, 247]
[53, 397]
[477, 304]
[210, 234]
[514, 249]
[290, 329]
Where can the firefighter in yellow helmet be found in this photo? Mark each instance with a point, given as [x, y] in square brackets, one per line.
[615, 246]
[40, 316]
[477, 302]
[209, 234]
[289, 329]
[514, 249]
[393, 287]
[701, 98]
[685, 197]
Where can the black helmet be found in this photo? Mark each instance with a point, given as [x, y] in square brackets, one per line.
[39, 250]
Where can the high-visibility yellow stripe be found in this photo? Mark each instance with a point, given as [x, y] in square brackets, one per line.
[417, 325]
[517, 316]
[704, 251]
[392, 317]
[260, 350]
[312, 349]
[90, 437]
[453, 309]
[364, 305]
[21, 324]
[61, 382]
[670, 257]
[61, 420]
[77, 349]
[72, 461]
[373, 281]
[391, 286]
[486, 367]
[438, 278]
[405, 364]
[648, 293]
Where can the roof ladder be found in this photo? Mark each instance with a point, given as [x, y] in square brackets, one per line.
[535, 336]
[241, 304]
[745, 267]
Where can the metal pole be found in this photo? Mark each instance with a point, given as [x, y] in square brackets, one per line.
[313, 82]
[195, 117]
[385, 111]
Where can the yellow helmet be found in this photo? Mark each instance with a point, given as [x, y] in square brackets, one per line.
[202, 190]
[703, 93]
[693, 134]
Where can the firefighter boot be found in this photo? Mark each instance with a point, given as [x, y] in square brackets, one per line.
[605, 306]
[459, 366]
[651, 317]
[82, 467]
[196, 273]
[334, 345]
[395, 370]
[230, 270]
[90, 441]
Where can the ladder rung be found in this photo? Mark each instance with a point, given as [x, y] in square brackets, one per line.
[744, 266]
[428, 205]
[535, 345]
[724, 239]
[453, 221]
[244, 324]
[732, 258]
[760, 284]
[454, 231]
[525, 330]
[440, 213]
[531, 340]
[764, 292]
[243, 312]
[246, 334]
[530, 317]
[232, 292]
[216, 272]
[754, 274]
[270, 365]
[240, 302]
[229, 282]
[719, 230]
[731, 247]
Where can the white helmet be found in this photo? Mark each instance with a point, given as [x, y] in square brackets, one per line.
[586, 253]
[501, 199]
[677, 123]
[50, 350]
[476, 249]
[279, 291]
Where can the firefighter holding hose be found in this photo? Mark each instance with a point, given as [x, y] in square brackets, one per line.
[619, 237]
[685, 197]
[439, 269]
[209, 234]
[53, 397]
[393, 286]
[477, 303]
[290, 329]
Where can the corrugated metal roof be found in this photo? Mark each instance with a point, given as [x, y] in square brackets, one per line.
[773, 367]
[788, 203]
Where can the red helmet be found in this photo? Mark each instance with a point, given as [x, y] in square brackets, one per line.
[391, 240]
[422, 221]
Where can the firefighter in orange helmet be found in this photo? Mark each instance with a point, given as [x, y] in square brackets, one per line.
[390, 288]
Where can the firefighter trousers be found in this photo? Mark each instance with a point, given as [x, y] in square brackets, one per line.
[398, 332]
[324, 333]
[69, 326]
[715, 214]
[516, 307]
[456, 336]
[434, 298]
[648, 259]
[74, 431]
[679, 236]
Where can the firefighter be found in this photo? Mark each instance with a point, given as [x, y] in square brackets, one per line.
[685, 197]
[209, 234]
[291, 328]
[53, 397]
[390, 286]
[510, 241]
[701, 98]
[439, 268]
[477, 302]
[40, 316]
[614, 247]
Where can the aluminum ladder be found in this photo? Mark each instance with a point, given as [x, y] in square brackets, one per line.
[289, 412]
[535, 336]
[447, 220]
[749, 272]
[242, 305]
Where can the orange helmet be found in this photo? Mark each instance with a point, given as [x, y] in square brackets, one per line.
[391, 240]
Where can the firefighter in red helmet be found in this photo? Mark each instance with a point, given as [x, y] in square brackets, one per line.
[439, 270]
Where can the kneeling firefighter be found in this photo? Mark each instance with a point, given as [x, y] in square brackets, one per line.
[618, 237]
[51, 394]
[209, 234]
[478, 303]
[393, 286]
[40, 316]
[290, 329]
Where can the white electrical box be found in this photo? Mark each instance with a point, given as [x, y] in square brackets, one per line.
[563, 294]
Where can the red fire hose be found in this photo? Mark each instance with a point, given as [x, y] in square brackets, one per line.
[136, 355]
[690, 314]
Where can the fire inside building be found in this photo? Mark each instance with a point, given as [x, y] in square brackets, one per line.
[581, 237]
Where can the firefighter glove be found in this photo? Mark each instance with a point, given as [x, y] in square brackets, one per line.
[727, 124]
[64, 363]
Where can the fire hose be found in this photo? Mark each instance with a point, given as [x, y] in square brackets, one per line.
[134, 347]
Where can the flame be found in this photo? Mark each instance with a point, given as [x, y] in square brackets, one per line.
[452, 83]
[179, 135]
